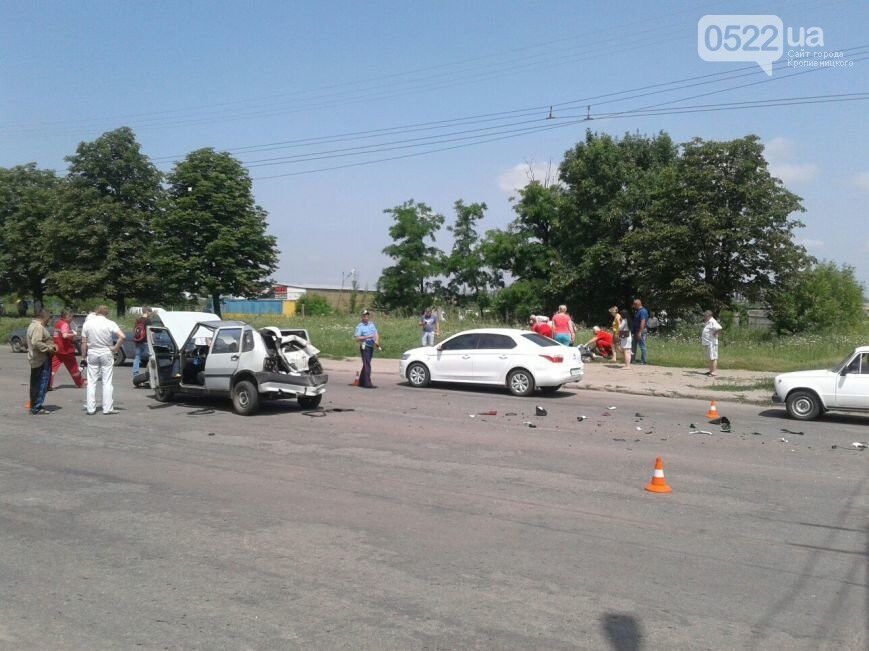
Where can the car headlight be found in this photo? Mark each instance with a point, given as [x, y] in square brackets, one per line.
[405, 356]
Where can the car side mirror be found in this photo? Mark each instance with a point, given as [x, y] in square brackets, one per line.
[440, 347]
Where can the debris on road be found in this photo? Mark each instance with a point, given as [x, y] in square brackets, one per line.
[622, 440]
[610, 408]
[511, 413]
[530, 424]
[725, 424]
[790, 431]
[540, 411]
[859, 446]
[784, 440]
[638, 415]
[491, 412]
[699, 431]
[639, 429]
[581, 418]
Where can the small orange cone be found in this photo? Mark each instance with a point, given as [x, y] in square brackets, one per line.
[355, 382]
[713, 410]
[658, 483]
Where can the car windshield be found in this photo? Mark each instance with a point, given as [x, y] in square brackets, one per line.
[540, 340]
[838, 368]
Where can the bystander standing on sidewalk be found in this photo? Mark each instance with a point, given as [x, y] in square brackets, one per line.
[638, 331]
[625, 337]
[98, 347]
[562, 326]
[40, 348]
[616, 327]
[652, 325]
[367, 337]
[709, 340]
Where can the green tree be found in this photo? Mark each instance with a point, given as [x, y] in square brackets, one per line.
[409, 283]
[27, 202]
[212, 238]
[820, 297]
[718, 224]
[99, 240]
[466, 266]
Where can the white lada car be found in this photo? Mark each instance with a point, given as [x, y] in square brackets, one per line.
[520, 360]
[845, 387]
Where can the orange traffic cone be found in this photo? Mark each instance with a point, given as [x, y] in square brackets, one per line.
[355, 382]
[658, 483]
[713, 410]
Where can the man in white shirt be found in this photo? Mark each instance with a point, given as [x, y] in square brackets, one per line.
[98, 347]
[709, 340]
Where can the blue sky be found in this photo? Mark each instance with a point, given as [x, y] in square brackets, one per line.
[238, 74]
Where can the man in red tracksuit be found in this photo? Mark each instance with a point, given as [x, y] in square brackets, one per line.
[63, 336]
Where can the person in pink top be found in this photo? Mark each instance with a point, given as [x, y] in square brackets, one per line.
[562, 326]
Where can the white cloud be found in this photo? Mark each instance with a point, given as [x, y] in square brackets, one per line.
[812, 245]
[779, 148]
[518, 176]
[780, 154]
[861, 180]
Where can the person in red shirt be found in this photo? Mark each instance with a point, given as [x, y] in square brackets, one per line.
[602, 342]
[542, 327]
[63, 337]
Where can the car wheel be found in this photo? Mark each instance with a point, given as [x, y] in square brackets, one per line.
[550, 390]
[310, 402]
[520, 382]
[803, 405]
[120, 357]
[163, 394]
[17, 345]
[418, 375]
[245, 398]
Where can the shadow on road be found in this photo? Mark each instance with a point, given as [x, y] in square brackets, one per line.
[623, 631]
[842, 419]
[487, 389]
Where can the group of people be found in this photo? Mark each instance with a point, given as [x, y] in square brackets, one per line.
[101, 338]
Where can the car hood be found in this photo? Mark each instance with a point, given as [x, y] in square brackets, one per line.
[180, 324]
[804, 375]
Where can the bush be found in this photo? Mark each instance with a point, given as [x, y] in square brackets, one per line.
[823, 297]
[314, 305]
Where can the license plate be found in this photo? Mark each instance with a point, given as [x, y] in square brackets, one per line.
[576, 371]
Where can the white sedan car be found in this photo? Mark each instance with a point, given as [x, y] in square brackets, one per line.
[517, 359]
[845, 387]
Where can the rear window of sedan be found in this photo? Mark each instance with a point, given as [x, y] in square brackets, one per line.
[540, 340]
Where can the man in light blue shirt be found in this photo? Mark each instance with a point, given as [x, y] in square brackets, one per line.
[368, 339]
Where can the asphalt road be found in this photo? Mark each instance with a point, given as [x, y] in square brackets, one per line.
[406, 523]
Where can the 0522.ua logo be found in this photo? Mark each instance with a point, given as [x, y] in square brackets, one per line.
[755, 38]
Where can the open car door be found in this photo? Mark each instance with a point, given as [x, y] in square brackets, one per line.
[164, 365]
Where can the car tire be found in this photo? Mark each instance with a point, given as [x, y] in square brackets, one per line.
[245, 398]
[551, 390]
[520, 382]
[310, 402]
[164, 394]
[418, 375]
[803, 405]
[120, 357]
[17, 345]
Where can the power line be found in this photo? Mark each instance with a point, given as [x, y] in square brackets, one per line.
[560, 125]
[525, 112]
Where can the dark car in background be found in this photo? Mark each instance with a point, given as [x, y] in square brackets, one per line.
[18, 339]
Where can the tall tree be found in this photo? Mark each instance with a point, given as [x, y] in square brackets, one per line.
[466, 266]
[212, 238]
[99, 242]
[27, 202]
[718, 225]
[408, 283]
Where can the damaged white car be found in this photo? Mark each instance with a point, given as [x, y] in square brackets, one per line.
[232, 359]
